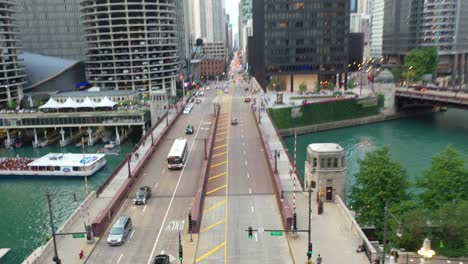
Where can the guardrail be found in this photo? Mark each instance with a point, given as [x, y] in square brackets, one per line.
[356, 229]
[104, 218]
[39, 255]
[197, 207]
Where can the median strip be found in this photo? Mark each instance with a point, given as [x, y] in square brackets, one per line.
[216, 189]
[222, 153]
[224, 145]
[210, 252]
[217, 176]
[214, 206]
[213, 225]
[218, 164]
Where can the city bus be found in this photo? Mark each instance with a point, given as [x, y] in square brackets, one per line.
[177, 154]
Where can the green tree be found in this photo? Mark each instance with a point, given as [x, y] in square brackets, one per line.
[420, 61]
[379, 180]
[449, 230]
[414, 229]
[445, 181]
[303, 87]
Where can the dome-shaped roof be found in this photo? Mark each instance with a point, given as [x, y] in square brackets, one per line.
[385, 76]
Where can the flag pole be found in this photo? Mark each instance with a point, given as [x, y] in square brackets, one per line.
[84, 166]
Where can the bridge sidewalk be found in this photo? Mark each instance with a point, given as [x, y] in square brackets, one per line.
[69, 247]
[329, 235]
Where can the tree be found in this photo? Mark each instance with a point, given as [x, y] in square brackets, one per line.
[445, 181]
[379, 180]
[421, 61]
[303, 87]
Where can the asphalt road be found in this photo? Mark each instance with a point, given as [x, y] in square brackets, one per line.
[156, 225]
[239, 193]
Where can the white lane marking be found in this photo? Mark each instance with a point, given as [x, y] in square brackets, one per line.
[163, 171]
[156, 186]
[244, 152]
[120, 258]
[162, 252]
[252, 209]
[242, 135]
[131, 235]
[243, 143]
[144, 208]
[256, 238]
[248, 175]
[150, 259]
[245, 163]
[175, 225]
[250, 190]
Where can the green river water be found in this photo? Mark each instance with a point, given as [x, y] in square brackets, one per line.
[24, 217]
[412, 141]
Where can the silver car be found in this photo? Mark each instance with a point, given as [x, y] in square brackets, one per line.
[120, 231]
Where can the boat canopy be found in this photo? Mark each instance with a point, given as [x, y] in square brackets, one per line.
[66, 160]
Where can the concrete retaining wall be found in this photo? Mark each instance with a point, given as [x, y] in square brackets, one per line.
[197, 207]
[39, 255]
[105, 217]
[348, 123]
[353, 226]
[283, 205]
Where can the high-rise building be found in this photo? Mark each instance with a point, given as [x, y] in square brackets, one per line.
[377, 27]
[245, 27]
[207, 20]
[131, 44]
[354, 6]
[301, 42]
[183, 36]
[409, 24]
[51, 27]
[12, 76]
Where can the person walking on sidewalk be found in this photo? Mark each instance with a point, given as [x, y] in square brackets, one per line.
[319, 259]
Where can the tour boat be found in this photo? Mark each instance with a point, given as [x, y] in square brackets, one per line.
[53, 164]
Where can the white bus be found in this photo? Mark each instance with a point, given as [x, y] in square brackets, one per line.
[177, 154]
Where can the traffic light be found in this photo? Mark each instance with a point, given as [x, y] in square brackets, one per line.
[309, 250]
[294, 227]
[250, 232]
[190, 222]
[181, 253]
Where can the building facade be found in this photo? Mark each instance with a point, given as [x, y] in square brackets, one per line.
[300, 42]
[207, 20]
[12, 74]
[212, 68]
[51, 28]
[377, 27]
[412, 24]
[131, 45]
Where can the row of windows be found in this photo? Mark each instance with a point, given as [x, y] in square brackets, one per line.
[327, 163]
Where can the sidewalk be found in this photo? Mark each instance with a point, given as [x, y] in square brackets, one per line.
[69, 247]
[330, 236]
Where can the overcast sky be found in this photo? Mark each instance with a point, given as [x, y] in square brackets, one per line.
[232, 8]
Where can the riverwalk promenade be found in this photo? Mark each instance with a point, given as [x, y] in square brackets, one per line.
[68, 247]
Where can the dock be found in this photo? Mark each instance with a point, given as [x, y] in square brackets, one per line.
[3, 252]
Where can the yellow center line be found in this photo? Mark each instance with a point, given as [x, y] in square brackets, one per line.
[216, 189]
[213, 225]
[224, 145]
[216, 176]
[210, 252]
[213, 207]
[227, 191]
[218, 164]
[219, 154]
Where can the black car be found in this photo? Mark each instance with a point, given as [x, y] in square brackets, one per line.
[142, 195]
[161, 259]
[189, 129]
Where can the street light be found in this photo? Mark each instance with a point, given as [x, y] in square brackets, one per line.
[407, 76]
[426, 252]
[399, 231]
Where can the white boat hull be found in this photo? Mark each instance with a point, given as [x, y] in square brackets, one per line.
[53, 173]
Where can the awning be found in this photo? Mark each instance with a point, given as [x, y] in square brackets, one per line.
[88, 103]
[70, 103]
[51, 104]
[106, 102]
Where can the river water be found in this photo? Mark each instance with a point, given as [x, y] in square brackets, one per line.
[24, 217]
[412, 141]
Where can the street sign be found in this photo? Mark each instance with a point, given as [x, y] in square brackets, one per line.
[276, 233]
[78, 235]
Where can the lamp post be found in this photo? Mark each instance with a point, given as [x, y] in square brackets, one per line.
[398, 233]
[426, 252]
[407, 76]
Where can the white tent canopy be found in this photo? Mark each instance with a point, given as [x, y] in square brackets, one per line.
[106, 102]
[51, 104]
[88, 103]
[70, 103]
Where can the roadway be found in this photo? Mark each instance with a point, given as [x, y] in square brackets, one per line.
[156, 225]
[239, 193]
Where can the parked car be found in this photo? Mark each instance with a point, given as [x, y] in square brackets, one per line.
[142, 195]
[189, 129]
[161, 259]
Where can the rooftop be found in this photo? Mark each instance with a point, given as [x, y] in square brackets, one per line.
[325, 147]
[95, 94]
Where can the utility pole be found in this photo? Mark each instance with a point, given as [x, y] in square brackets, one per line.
[385, 231]
[310, 211]
[55, 259]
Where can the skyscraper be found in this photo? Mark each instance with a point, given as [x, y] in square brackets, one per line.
[409, 24]
[51, 27]
[12, 76]
[131, 44]
[207, 20]
[300, 42]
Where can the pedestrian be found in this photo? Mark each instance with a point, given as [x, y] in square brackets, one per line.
[392, 258]
[319, 259]
[81, 254]
[278, 154]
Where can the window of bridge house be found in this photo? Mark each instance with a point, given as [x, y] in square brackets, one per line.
[314, 164]
[335, 162]
[329, 163]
